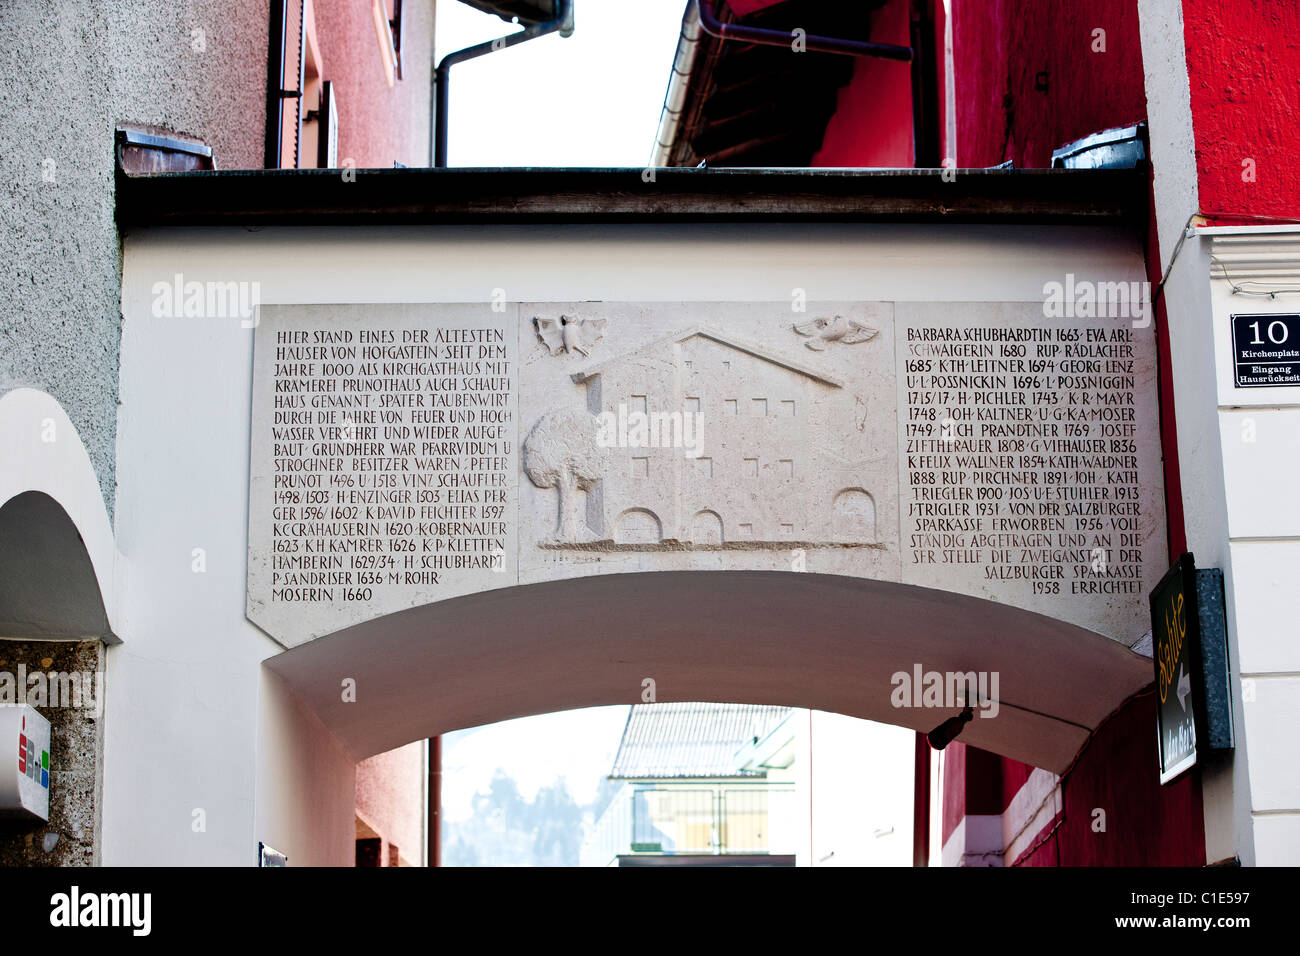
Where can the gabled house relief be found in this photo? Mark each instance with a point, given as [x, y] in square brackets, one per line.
[702, 441]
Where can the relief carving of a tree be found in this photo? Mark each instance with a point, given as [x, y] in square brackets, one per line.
[562, 452]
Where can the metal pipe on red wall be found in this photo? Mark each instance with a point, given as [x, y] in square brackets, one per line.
[562, 24]
[922, 55]
[926, 146]
[818, 44]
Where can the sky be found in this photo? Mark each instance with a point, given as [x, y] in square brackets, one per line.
[592, 99]
[577, 745]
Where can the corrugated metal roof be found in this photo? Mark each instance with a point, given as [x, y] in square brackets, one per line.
[691, 740]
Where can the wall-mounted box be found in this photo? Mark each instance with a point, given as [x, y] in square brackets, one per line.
[24, 764]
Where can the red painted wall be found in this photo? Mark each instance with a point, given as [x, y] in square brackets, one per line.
[1175, 518]
[390, 800]
[953, 791]
[1014, 776]
[378, 124]
[1146, 824]
[1243, 66]
[872, 125]
[745, 7]
[1000, 47]
[972, 785]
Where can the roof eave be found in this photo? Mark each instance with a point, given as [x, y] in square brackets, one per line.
[521, 195]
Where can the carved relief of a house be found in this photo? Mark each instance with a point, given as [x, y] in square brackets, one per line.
[762, 478]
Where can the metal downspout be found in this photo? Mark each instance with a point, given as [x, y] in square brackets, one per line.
[675, 98]
[818, 44]
[562, 24]
[274, 83]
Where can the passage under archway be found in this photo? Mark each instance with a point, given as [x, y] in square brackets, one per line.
[804, 640]
[48, 587]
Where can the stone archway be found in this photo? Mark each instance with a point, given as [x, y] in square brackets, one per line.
[514, 525]
[806, 640]
[57, 565]
[57, 555]
[48, 587]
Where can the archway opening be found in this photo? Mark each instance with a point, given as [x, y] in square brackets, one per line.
[812, 641]
[48, 587]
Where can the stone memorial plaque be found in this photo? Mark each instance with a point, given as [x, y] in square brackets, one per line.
[406, 454]
[1030, 462]
[384, 462]
[736, 435]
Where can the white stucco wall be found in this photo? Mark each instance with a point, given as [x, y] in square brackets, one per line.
[1258, 440]
[306, 783]
[861, 791]
[189, 706]
[1169, 119]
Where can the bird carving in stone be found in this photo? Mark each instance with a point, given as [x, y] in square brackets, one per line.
[823, 332]
[569, 334]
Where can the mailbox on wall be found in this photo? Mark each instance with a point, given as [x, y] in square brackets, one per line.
[24, 764]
